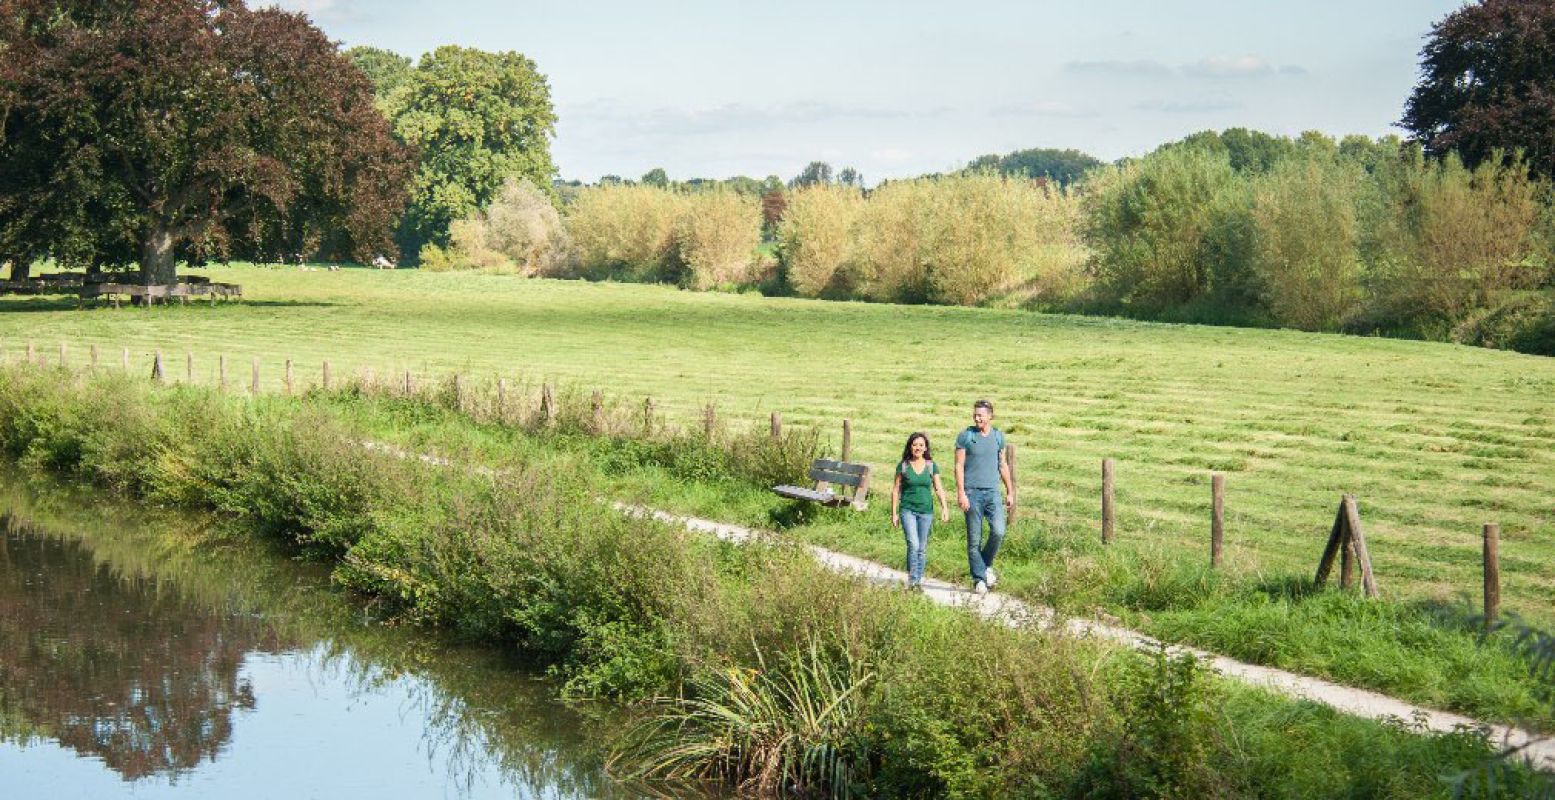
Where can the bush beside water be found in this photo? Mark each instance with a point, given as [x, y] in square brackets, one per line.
[934, 703]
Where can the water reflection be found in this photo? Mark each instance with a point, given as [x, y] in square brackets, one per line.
[150, 659]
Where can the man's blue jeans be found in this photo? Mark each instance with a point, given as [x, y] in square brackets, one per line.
[916, 527]
[986, 504]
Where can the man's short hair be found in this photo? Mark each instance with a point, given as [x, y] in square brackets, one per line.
[983, 404]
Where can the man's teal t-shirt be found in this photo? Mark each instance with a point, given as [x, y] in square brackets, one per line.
[982, 457]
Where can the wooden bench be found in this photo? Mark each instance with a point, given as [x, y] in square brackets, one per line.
[853, 478]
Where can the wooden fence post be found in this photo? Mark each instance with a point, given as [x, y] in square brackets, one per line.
[156, 367]
[410, 385]
[777, 425]
[1492, 552]
[709, 420]
[94, 358]
[458, 393]
[1348, 543]
[188, 367]
[221, 371]
[31, 356]
[647, 415]
[287, 377]
[1358, 546]
[597, 412]
[547, 403]
[1107, 496]
[63, 362]
[326, 375]
[1217, 528]
[124, 359]
[502, 399]
[847, 440]
[253, 385]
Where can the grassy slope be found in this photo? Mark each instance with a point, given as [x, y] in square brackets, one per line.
[1434, 439]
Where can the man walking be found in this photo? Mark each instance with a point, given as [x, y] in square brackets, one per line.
[980, 470]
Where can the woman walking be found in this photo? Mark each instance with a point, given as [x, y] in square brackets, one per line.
[912, 505]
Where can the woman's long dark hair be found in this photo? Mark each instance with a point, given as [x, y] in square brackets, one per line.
[907, 448]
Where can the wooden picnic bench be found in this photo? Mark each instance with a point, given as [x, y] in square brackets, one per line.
[852, 478]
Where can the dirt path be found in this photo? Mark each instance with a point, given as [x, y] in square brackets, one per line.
[1010, 611]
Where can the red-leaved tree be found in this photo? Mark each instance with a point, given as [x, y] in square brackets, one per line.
[139, 132]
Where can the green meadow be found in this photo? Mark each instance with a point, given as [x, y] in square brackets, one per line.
[1434, 440]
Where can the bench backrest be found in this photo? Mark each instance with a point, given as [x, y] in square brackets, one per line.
[825, 470]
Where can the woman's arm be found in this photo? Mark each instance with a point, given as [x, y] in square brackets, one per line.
[944, 507]
[896, 498]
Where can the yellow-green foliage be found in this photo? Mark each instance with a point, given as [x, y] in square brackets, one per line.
[1146, 222]
[519, 231]
[1305, 261]
[815, 237]
[986, 234]
[1450, 239]
[888, 243]
[716, 236]
[624, 232]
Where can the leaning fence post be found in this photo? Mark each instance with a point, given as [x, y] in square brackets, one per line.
[156, 367]
[847, 440]
[1492, 553]
[1217, 528]
[777, 425]
[1107, 498]
[253, 386]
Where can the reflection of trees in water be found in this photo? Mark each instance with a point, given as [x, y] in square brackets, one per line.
[116, 667]
[124, 641]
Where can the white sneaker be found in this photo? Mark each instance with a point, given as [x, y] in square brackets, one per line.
[993, 580]
[980, 588]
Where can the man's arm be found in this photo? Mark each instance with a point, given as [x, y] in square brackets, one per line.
[1007, 478]
[961, 498]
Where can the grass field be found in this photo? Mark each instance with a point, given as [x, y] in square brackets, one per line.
[1435, 440]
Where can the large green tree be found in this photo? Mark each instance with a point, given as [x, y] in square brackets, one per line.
[1487, 84]
[478, 119]
[1063, 167]
[387, 69]
[139, 132]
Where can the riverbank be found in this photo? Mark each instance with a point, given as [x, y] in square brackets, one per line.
[633, 609]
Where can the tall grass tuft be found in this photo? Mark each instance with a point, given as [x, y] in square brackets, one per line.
[791, 726]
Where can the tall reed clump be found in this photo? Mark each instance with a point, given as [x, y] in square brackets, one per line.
[716, 236]
[815, 239]
[624, 232]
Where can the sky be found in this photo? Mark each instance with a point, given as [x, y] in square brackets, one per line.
[714, 89]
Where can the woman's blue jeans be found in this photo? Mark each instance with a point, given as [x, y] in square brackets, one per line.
[915, 527]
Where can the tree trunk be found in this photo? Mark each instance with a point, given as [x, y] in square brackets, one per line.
[21, 267]
[156, 259]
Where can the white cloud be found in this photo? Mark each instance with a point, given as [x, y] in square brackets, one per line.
[1212, 68]
[1043, 108]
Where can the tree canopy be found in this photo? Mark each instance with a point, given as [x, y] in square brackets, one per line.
[1060, 166]
[1487, 84]
[142, 131]
[386, 69]
[478, 119]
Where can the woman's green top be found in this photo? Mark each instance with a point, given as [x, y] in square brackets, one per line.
[918, 487]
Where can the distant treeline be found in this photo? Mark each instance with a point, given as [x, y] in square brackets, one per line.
[1245, 228]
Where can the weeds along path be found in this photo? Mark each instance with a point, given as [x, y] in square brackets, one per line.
[1003, 609]
[1007, 610]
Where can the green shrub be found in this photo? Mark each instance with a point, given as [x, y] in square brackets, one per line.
[624, 232]
[716, 235]
[1306, 261]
